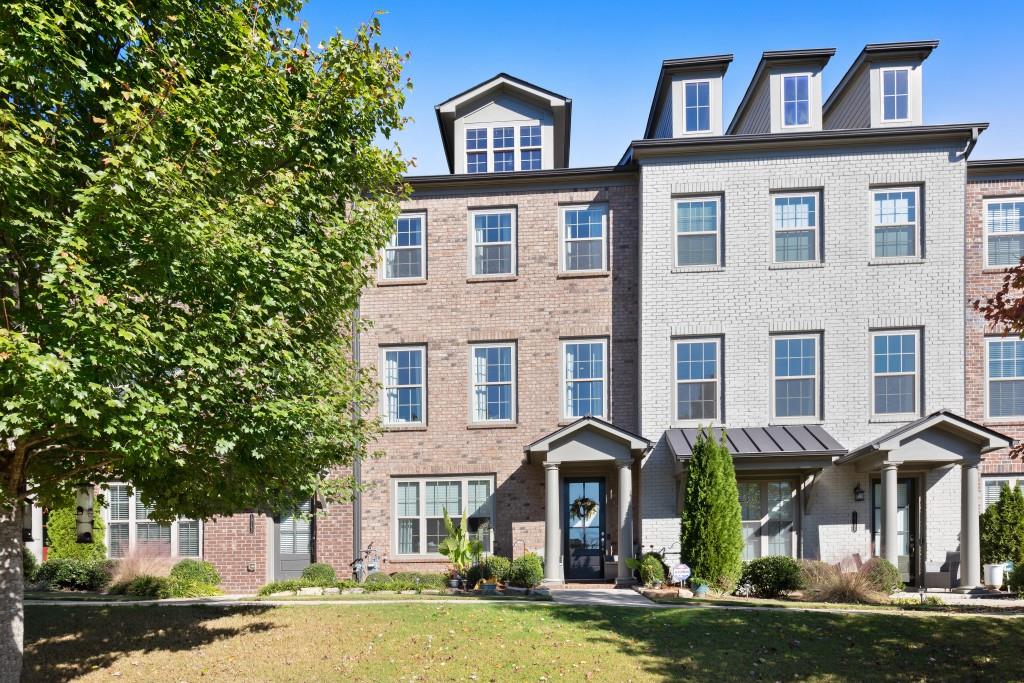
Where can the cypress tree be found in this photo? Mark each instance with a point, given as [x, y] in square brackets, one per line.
[1002, 528]
[712, 526]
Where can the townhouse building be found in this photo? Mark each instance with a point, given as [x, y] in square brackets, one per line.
[548, 340]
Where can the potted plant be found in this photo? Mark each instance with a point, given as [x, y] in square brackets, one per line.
[459, 548]
[699, 586]
[453, 577]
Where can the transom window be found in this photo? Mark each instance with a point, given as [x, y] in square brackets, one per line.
[895, 222]
[130, 531]
[403, 382]
[476, 161]
[584, 231]
[796, 224]
[767, 509]
[895, 94]
[895, 369]
[403, 257]
[584, 362]
[493, 372]
[493, 242]
[1005, 377]
[698, 106]
[795, 377]
[697, 380]
[420, 506]
[796, 100]
[1004, 231]
[698, 231]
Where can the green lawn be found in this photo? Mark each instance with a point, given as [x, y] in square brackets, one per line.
[510, 642]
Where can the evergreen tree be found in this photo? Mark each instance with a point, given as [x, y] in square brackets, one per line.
[712, 526]
[1002, 528]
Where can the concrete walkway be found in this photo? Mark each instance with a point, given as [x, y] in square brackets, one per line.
[605, 597]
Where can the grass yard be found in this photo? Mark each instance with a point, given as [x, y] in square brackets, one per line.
[509, 642]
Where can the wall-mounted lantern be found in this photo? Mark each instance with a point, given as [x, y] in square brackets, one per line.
[83, 513]
[26, 522]
[858, 493]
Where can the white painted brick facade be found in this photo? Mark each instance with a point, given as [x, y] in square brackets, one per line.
[844, 298]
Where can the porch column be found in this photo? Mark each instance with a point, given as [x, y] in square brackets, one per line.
[552, 524]
[625, 522]
[970, 535]
[890, 544]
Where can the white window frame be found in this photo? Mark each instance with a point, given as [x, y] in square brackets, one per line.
[512, 382]
[567, 381]
[455, 515]
[988, 381]
[873, 226]
[988, 234]
[422, 248]
[603, 208]
[385, 410]
[486, 151]
[1011, 480]
[881, 100]
[816, 242]
[762, 482]
[717, 199]
[817, 377]
[719, 365]
[782, 99]
[133, 522]
[916, 374]
[698, 82]
[514, 266]
[527, 148]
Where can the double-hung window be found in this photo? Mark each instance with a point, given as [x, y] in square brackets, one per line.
[504, 149]
[131, 531]
[796, 221]
[493, 238]
[1005, 378]
[403, 257]
[896, 221]
[895, 94]
[476, 150]
[421, 504]
[404, 382]
[698, 231]
[1004, 231]
[697, 380]
[584, 231]
[697, 106]
[796, 100]
[796, 371]
[895, 371]
[493, 372]
[529, 148]
[994, 488]
[585, 364]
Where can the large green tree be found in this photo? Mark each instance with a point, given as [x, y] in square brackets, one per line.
[190, 199]
[712, 525]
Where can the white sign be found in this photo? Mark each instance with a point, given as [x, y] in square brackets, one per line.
[680, 573]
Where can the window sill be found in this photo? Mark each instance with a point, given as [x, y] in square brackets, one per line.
[796, 266]
[890, 419]
[697, 269]
[570, 275]
[492, 278]
[790, 423]
[896, 261]
[404, 428]
[492, 425]
[402, 283]
[1004, 421]
[1001, 270]
[418, 559]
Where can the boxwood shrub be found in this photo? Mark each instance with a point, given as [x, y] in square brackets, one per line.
[319, 574]
[771, 576]
[526, 571]
[69, 573]
[198, 571]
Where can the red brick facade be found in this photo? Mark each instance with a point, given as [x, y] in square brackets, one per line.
[982, 282]
[238, 551]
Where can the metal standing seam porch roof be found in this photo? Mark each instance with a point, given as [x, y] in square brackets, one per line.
[782, 440]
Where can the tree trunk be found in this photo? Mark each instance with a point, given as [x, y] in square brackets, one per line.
[12, 592]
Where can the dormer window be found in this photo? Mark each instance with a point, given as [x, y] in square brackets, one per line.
[895, 94]
[697, 104]
[504, 149]
[476, 150]
[796, 105]
[529, 148]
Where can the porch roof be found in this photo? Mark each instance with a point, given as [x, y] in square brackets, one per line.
[589, 431]
[761, 442]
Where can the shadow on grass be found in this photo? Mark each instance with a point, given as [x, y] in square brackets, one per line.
[706, 644]
[62, 644]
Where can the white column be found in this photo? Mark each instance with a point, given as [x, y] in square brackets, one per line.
[890, 546]
[970, 534]
[552, 525]
[625, 522]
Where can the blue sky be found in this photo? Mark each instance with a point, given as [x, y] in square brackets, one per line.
[605, 56]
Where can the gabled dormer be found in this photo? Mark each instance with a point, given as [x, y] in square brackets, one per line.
[882, 88]
[784, 96]
[505, 124]
[688, 98]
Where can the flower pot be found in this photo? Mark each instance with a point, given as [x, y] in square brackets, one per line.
[453, 583]
[700, 591]
[489, 589]
[994, 575]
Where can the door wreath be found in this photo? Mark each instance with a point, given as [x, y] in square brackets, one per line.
[582, 507]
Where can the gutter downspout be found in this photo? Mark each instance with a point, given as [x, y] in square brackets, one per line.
[975, 134]
[357, 466]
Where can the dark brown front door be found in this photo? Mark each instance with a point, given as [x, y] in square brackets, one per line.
[583, 520]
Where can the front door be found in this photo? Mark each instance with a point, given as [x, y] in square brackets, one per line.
[583, 521]
[293, 541]
[906, 525]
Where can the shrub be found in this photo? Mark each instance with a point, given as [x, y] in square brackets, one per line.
[497, 567]
[198, 571]
[60, 529]
[29, 564]
[377, 577]
[186, 587]
[883, 576]
[421, 579]
[829, 584]
[74, 574]
[282, 586]
[651, 569]
[1002, 528]
[527, 571]
[131, 566]
[771, 576]
[711, 535]
[319, 574]
[474, 574]
[1015, 581]
[146, 586]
